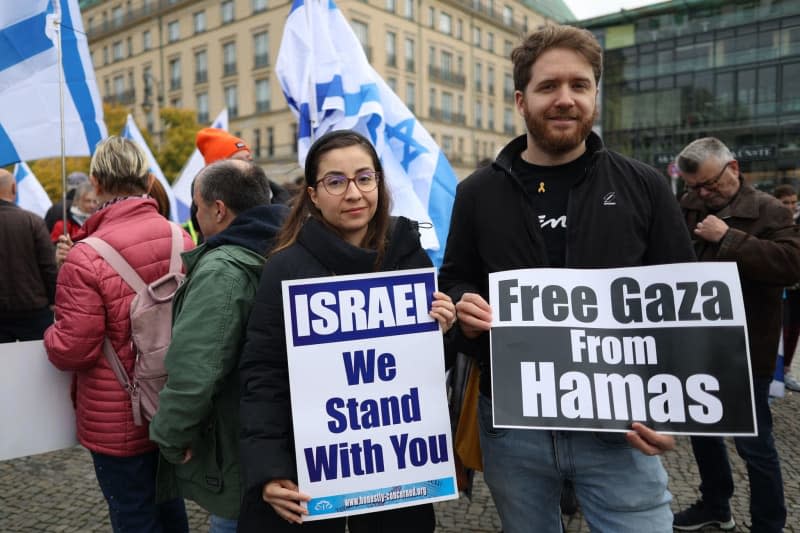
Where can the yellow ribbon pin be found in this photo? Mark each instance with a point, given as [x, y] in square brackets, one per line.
[541, 187]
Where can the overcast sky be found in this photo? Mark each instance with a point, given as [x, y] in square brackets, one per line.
[591, 8]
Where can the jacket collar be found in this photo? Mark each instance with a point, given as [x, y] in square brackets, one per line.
[743, 205]
[505, 158]
[120, 212]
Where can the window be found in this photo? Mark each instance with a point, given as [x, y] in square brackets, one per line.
[390, 5]
[409, 52]
[447, 106]
[490, 41]
[147, 77]
[392, 83]
[261, 48]
[408, 9]
[200, 22]
[173, 31]
[257, 143]
[432, 102]
[232, 101]
[362, 33]
[445, 23]
[490, 79]
[201, 67]
[508, 46]
[270, 141]
[478, 77]
[105, 55]
[508, 15]
[447, 63]
[263, 96]
[431, 17]
[790, 89]
[228, 59]
[227, 12]
[391, 49]
[117, 50]
[259, 6]
[175, 74]
[107, 86]
[508, 121]
[459, 29]
[767, 96]
[116, 16]
[478, 115]
[490, 117]
[411, 96]
[447, 144]
[119, 86]
[176, 102]
[508, 86]
[202, 108]
[476, 37]
[431, 56]
[147, 40]
[129, 43]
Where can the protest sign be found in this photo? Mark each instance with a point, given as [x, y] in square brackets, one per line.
[369, 408]
[36, 413]
[599, 349]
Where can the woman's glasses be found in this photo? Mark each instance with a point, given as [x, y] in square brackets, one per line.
[336, 184]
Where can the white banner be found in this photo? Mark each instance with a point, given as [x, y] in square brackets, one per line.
[36, 413]
[366, 370]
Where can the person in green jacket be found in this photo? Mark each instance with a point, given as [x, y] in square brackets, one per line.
[197, 423]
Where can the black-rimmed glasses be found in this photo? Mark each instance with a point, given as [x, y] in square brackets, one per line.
[711, 184]
[336, 184]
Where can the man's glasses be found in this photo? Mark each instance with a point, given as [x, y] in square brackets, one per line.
[711, 184]
[336, 184]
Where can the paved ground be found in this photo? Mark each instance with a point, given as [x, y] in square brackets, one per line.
[57, 492]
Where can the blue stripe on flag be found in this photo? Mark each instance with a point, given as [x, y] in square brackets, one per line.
[20, 174]
[23, 40]
[440, 204]
[297, 4]
[77, 82]
[7, 151]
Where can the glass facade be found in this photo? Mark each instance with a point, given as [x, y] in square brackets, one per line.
[676, 72]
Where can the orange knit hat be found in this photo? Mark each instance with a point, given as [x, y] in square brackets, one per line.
[216, 144]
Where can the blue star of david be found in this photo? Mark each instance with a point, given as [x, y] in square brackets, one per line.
[404, 133]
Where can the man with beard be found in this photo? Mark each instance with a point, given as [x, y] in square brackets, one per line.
[557, 197]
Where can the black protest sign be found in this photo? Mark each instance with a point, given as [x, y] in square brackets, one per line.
[601, 349]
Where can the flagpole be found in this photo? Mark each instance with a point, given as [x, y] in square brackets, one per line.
[57, 22]
[312, 111]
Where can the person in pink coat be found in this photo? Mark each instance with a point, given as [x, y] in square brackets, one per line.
[92, 303]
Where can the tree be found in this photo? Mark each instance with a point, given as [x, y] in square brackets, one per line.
[177, 142]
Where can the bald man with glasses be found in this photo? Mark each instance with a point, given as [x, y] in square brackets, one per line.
[729, 220]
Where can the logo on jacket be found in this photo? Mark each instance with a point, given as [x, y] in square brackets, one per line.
[610, 198]
[552, 222]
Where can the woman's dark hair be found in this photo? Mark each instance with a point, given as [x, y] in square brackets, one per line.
[304, 208]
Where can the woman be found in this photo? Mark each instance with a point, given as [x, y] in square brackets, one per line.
[93, 304]
[82, 207]
[340, 224]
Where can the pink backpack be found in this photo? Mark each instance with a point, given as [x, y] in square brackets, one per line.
[151, 326]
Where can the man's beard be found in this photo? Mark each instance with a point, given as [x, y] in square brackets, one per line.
[558, 142]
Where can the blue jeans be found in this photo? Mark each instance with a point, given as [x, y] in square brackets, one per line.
[218, 524]
[620, 489]
[129, 486]
[767, 508]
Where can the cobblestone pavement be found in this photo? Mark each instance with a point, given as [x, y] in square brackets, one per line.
[57, 492]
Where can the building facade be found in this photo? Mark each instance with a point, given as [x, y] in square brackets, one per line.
[448, 60]
[684, 69]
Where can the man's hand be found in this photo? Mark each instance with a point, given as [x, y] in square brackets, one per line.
[711, 229]
[187, 456]
[284, 497]
[474, 314]
[648, 441]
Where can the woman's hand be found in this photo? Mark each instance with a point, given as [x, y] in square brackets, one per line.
[443, 310]
[62, 248]
[475, 315]
[284, 496]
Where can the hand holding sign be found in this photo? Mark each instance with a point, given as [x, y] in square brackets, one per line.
[443, 310]
[474, 313]
[648, 441]
[284, 497]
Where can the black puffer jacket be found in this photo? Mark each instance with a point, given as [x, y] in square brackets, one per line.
[620, 213]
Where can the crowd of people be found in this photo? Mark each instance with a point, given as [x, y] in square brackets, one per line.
[557, 198]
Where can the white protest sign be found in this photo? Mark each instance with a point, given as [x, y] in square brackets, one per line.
[366, 372]
[36, 413]
[599, 349]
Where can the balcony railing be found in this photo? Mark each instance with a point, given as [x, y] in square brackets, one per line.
[410, 65]
[496, 16]
[229, 69]
[134, 16]
[446, 115]
[391, 60]
[261, 61]
[446, 76]
[122, 98]
[201, 76]
[174, 84]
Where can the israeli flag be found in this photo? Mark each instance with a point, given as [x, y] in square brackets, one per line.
[29, 82]
[330, 85]
[131, 131]
[183, 185]
[30, 193]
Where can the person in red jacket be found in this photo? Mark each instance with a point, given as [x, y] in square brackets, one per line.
[82, 207]
[92, 304]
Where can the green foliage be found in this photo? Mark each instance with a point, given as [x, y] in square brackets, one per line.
[177, 141]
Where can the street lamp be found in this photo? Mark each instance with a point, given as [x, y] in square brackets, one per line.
[147, 103]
